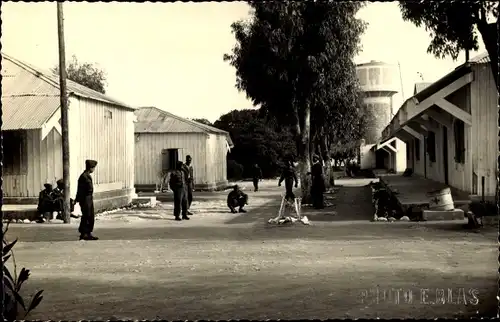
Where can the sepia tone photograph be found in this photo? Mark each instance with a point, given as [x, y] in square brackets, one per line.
[267, 160]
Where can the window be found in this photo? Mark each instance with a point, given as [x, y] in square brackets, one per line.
[169, 158]
[416, 142]
[108, 114]
[431, 146]
[15, 155]
[459, 133]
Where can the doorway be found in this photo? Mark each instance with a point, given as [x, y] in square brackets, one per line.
[445, 154]
[380, 159]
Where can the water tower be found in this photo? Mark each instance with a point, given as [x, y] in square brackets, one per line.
[379, 82]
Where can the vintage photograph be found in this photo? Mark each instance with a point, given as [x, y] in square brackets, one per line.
[256, 160]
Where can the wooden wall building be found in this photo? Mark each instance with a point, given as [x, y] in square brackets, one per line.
[100, 128]
[162, 138]
[451, 127]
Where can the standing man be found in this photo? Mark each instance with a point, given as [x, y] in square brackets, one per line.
[177, 183]
[318, 183]
[290, 177]
[256, 177]
[189, 179]
[85, 197]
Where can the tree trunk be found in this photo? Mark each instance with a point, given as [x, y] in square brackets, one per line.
[329, 179]
[304, 156]
[489, 34]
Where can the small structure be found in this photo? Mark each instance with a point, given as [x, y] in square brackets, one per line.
[100, 128]
[162, 138]
[451, 127]
[379, 83]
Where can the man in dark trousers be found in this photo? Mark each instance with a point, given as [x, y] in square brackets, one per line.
[178, 185]
[237, 198]
[45, 203]
[318, 183]
[256, 176]
[85, 197]
[290, 177]
[189, 179]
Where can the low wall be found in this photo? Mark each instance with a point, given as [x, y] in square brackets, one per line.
[105, 200]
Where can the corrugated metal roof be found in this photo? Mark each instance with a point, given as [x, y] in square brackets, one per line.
[154, 120]
[483, 58]
[27, 101]
[39, 75]
[420, 87]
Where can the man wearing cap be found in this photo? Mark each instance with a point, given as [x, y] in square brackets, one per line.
[45, 203]
[178, 183]
[187, 168]
[237, 198]
[84, 196]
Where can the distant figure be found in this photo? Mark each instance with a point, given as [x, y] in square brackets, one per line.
[178, 184]
[189, 180]
[256, 176]
[318, 183]
[45, 203]
[237, 198]
[58, 196]
[290, 177]
[85, 197]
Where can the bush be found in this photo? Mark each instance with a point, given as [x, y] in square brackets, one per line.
[13, 301]
[234, 170]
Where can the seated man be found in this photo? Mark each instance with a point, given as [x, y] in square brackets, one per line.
[58, 197]
[237, 198]
[45, 203]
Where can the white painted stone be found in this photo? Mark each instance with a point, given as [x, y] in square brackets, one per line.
[26, 221]
[381, 219]
[405, 218]
[391, 219]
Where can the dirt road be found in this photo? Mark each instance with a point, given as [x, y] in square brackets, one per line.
[224, 266]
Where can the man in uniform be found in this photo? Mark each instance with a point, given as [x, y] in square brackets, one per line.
[256, 176]
[290, 177]
[84, 196]
[237, 198]
[189, 179]
[318, 183]
[178, 185]
[45, 203]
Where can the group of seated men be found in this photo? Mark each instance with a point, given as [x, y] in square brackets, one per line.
[52, 200]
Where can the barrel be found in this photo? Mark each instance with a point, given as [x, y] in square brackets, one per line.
[441, 200]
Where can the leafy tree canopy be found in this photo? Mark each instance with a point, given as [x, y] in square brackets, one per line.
[455, 26]
[203, 121]
[85, 74]
[257, 140]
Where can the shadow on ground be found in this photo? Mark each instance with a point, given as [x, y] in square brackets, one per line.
[260, 295]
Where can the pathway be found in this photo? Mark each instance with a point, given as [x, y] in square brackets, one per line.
[225, 266]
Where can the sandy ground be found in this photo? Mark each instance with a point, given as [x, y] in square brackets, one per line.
[224, 266]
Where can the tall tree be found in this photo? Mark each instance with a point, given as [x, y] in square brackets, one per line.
[290, 59]
[85, 74]
[454, 26]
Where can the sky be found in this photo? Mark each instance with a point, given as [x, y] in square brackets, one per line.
[169, 55]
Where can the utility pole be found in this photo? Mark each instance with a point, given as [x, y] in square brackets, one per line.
[64, 112]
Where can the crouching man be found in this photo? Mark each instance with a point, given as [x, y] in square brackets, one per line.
[237, 198]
